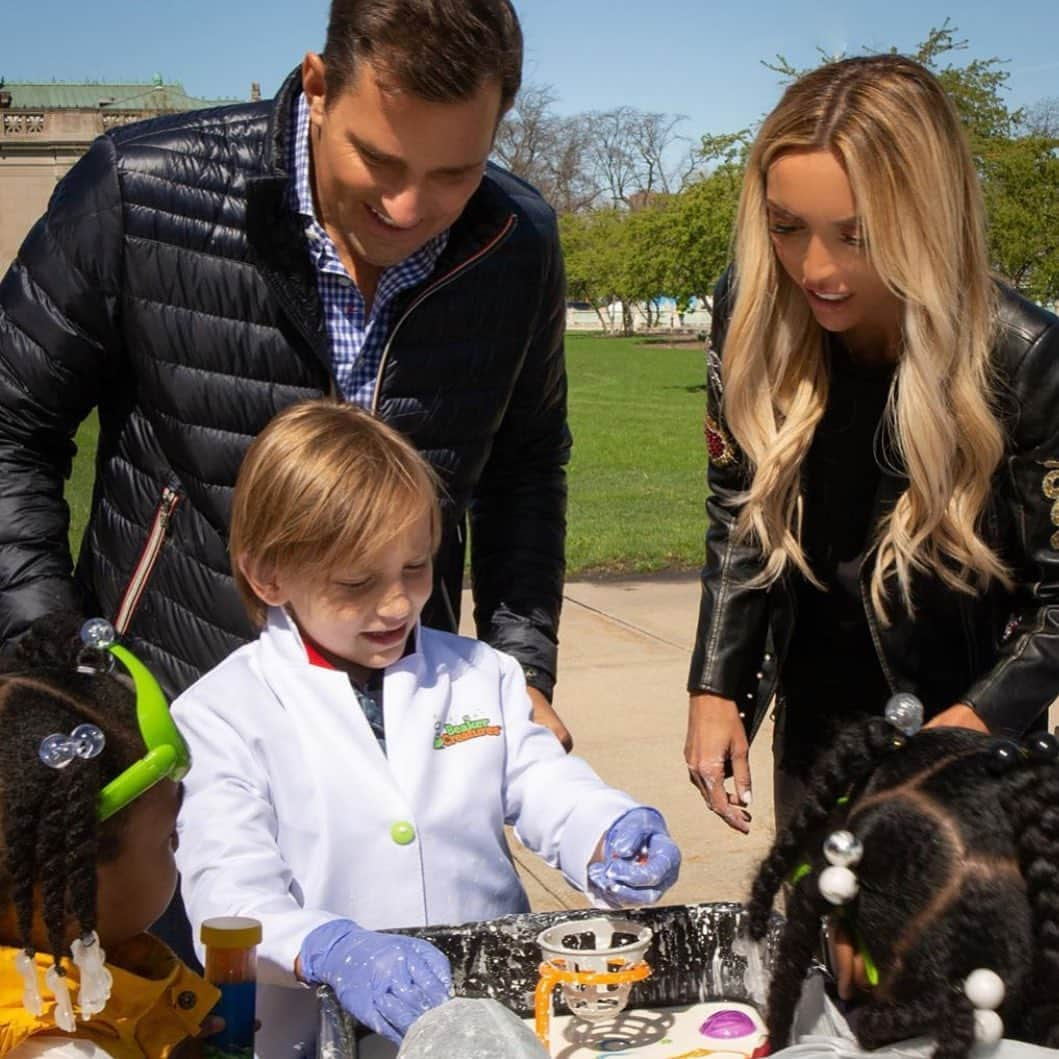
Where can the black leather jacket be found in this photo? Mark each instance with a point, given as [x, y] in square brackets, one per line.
[999, 651]
[170, 286]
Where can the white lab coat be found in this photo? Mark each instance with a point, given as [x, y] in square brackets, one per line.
[290, 801]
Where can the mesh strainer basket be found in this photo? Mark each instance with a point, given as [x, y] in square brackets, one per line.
[580, 953]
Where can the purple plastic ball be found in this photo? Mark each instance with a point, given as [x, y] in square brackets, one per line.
[728, 1025]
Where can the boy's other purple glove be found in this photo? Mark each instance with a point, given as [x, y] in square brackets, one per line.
[640, 861]
[385, 981]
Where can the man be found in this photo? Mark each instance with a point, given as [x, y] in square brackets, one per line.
[195, 274]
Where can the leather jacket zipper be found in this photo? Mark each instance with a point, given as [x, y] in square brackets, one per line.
[442, 281]
[141, 573]
[869, 614]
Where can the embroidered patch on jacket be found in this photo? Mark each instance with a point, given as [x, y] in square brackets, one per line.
[446, 735]
[1050, 488]
[718, 444]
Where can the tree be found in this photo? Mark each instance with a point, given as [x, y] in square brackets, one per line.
[547, 151]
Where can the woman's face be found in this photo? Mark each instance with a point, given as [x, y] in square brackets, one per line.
[136, 886]
[816, 233]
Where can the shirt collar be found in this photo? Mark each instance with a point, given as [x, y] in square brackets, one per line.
[301, 189]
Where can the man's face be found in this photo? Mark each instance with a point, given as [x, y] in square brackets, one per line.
[391, 170]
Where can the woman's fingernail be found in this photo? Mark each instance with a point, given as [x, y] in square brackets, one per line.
[747, 798]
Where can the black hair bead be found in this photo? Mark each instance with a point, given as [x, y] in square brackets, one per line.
[1042, 748]
[1004, 756]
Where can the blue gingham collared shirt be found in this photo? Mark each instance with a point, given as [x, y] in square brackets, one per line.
[357, 338]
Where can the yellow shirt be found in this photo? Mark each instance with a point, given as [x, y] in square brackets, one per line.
[155, 1003]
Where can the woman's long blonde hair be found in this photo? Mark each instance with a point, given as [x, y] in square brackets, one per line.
[899, 140]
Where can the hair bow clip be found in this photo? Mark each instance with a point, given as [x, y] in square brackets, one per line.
[843, 852]
[97, 634]
[58, 750]
[985, 990]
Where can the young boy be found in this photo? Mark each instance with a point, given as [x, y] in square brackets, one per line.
[354, 770]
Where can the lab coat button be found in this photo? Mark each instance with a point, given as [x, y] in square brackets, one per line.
[403, 833]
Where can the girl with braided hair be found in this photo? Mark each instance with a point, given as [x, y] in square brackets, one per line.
[86, 858]
[932, 860]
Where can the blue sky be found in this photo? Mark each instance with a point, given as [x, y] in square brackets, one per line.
[700, 58]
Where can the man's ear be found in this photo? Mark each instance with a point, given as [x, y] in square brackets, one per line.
[263, 579]
[314, 85]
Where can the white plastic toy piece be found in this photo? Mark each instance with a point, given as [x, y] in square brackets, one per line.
[64, 1009]
[598, 946]
[27, 970]
[96, 980]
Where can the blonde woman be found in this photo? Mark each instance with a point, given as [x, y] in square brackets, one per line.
[883, 425]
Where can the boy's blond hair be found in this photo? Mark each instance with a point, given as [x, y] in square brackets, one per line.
[325, 485]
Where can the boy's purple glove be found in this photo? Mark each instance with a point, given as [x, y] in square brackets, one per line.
[640, 861]
[385, 981]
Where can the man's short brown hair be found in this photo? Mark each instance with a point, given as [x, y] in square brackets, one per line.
[325, 485]
[440, 50]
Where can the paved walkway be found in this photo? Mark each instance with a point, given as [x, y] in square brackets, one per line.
[623, 665]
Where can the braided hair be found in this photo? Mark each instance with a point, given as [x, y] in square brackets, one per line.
[960, 871]
[50, 839]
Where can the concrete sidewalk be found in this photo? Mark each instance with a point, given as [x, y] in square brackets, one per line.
[623, 666]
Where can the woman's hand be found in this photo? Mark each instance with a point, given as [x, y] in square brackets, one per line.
[716, 736]
[958, 716]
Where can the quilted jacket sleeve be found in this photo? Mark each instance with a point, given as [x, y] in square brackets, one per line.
[732, 614]
[57, 338]
[518, 520]
[1025, 679]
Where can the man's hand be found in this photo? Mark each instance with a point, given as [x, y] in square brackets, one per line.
[544, 713]
[958, 716]
[715, 736]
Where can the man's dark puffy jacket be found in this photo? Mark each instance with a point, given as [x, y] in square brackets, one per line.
[169, 286]
[999, 651]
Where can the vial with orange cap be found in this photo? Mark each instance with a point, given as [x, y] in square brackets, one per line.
[231, 965]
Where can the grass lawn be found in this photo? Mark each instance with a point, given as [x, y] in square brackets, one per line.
[638, 469]
[637, 475]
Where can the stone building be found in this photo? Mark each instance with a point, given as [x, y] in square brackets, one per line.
[45, 128]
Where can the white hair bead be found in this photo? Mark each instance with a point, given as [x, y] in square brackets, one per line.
[984, 989]
[988, 1027]
[838, 885]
